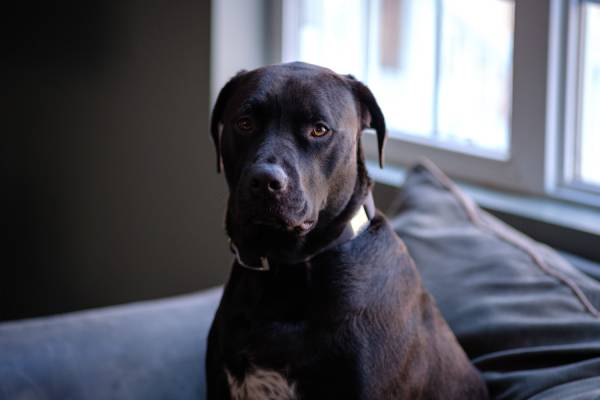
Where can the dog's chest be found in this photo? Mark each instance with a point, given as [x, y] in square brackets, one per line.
[261, 384]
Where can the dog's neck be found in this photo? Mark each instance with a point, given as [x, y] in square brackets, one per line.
[351, 229]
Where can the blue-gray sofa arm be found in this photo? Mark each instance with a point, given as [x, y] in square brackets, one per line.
[148, 350]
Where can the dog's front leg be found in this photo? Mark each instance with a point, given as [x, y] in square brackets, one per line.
[217, 387]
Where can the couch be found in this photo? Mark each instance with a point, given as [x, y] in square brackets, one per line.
[526, 315]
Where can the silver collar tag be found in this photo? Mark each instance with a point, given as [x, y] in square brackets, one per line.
[359, 222]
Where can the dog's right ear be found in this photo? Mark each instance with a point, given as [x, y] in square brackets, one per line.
[216, 123]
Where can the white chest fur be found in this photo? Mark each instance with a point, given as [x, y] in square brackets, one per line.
[261, 384]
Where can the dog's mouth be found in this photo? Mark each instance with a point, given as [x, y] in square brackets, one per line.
[281, 224]
[297, 221]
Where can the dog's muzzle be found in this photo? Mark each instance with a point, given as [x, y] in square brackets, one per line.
[359, 222]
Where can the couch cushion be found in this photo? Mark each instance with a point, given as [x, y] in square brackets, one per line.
[149, 350]
[526, 317]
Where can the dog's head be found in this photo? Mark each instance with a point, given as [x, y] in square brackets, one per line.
[288, 139]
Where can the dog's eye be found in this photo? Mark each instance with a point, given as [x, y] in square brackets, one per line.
[245, 124]
[319, 130]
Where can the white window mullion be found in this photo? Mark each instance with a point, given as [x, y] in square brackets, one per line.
[529, 105]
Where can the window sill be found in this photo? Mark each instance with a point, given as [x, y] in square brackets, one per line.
[567, 226]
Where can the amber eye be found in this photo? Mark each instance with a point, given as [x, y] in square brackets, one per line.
[319, 130]
[245, 125]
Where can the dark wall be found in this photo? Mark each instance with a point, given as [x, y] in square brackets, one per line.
[112, 194]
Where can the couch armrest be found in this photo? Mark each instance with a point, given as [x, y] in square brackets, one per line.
[148, 350]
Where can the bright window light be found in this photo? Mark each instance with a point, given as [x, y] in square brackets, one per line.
[441, 69]
[475, 73]
[332, 33]
[588, 160]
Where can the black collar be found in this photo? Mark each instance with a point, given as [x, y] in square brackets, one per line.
[357, 224]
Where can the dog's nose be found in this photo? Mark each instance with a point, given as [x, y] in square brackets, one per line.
[268, 178]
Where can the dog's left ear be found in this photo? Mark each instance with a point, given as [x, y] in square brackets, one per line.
[371, 115]
[216, 123]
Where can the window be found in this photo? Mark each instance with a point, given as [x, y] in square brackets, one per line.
[589, 144]
[475, 64]
[441, 69]
[579, 157]
[500, 92]
[587, 156]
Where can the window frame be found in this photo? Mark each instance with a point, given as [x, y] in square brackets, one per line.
[562, 182]
[542, 115]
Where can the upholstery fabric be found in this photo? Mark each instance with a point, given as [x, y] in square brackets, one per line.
[525, 316]
[150, 350]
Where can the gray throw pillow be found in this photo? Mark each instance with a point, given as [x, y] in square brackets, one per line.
[526, 317]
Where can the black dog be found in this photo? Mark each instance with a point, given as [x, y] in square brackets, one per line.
[323, 301]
